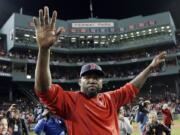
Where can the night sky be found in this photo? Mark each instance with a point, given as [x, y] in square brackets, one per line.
[78, 9]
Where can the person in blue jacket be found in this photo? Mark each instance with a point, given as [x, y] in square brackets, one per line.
[142, 115]
[49, 124]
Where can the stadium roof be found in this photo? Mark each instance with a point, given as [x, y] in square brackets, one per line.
[78, 9]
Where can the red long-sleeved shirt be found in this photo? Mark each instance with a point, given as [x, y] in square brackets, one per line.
[93, 116]
[167, 116]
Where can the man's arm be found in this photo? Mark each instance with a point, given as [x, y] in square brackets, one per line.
[46, 36]
[140, 79]
[42, 72]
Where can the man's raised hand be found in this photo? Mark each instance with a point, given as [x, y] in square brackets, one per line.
[158, 59]
[46, 32]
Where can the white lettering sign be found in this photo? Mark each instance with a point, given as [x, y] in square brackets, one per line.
[98, 24]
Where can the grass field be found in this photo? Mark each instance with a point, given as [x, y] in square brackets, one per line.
[175, 129]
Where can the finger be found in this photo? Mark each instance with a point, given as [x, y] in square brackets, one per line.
[59, 31]
[162, 61]
[41, 17]
[53, 20]
[46, 15]
[35, 21]
[162, 54]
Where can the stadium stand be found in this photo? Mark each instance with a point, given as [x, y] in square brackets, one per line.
[122, 47]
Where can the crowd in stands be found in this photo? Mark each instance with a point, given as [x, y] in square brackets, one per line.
[57, 58]
[5, 68]
[119, 71]
[61, 73]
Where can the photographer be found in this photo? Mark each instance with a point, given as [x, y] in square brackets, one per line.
[17, 125]
[124, 123]
[142, 114]
[154, 127]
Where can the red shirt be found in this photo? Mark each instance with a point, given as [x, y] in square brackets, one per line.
[91, 116]
[167, 117]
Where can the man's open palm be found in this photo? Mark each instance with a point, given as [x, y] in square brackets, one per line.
[46, 32]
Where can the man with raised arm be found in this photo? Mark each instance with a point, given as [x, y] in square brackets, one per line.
[86, 112]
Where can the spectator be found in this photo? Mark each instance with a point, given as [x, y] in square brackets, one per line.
[167, 116]
[154, 127]
[124, 123]
[49, 124]
[4, 126]
[17, 125]
[142, 114]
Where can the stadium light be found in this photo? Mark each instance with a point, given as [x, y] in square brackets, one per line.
[143, 31]
[102, 42]
[138, 33]
[103, 37]
[170, 31]
[168, 27]
[115, 36]
[162, 28]
[96, 36]
[26, 35]
[90, 36]
[96, 42]
[28, 76]
[121, 36]
[113, 40]
[82, 37]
